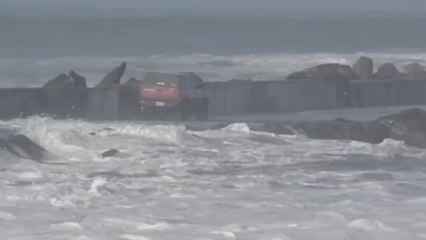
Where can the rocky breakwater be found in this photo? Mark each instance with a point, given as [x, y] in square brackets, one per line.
[362, 69]
[340, 75]
[361, 86]
[389, 71]
[60, 97]
[408, 126]
[72, 80]
[113, 78]
[64, 96]
[68, 96]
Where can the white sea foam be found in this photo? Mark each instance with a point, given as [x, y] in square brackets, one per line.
[140, 226]
[370, 226]
[133, 237]
[5, 216]
[231, 183]
[72, 226]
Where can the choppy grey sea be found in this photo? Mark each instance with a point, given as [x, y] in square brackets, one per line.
[233, 183]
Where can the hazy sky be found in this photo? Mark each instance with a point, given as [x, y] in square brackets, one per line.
[210, 6]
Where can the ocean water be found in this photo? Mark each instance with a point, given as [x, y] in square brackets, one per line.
[232, 183]
[29, 72]
[34, 50]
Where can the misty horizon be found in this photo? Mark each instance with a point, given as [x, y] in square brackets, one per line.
[217, 39]
[283, 8]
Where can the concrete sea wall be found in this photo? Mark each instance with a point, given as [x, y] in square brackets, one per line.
[226, 98]
[270, 97]
[82, 103]
[388, 93]
[24, 102]
[292, 96]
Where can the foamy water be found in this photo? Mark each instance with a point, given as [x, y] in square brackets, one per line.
[34, 72]
[233, 183]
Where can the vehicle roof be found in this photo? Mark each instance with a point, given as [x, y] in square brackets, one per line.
[158, 76]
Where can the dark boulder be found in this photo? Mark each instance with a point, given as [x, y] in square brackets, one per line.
[112, 78]
[415, 70]
[78, 80]
[387, 71]
[406, 118]
[330, 71]
[133, 82]
[23, 147]
[61, 81]
[408, 126]
[110, 153]
[340, 74]
[339, 129]
[72, 80]
[192, 76]
[370, 132]
[363, 67]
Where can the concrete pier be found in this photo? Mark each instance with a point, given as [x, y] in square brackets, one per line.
[377, 93]
[226, 98]
[293, 96]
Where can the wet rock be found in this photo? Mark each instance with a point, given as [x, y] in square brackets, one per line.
[78, 80]
[23, 147]
[330, 71]
[415, 70]
[190, 76]
[106, 129]
[133, 82]
[387, 71]
[72, 80]
[414, 139]
[342, 75]
[370, 132]
[61, 81]
[408, 126]
[339, 129]
[413, 119]
[110, 153]
[112, 78]
[363, 67]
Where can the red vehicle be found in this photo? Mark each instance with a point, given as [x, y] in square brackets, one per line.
[162, 94]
